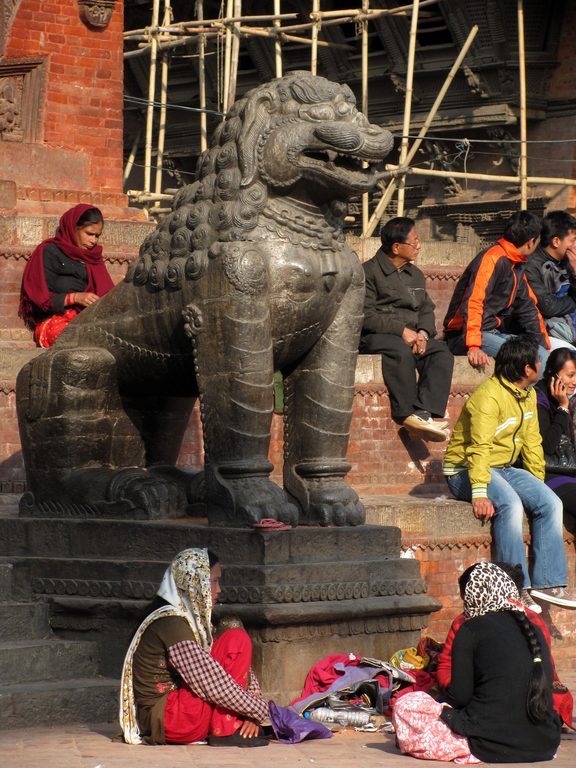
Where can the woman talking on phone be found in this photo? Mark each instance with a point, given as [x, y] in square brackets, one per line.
[554, 391]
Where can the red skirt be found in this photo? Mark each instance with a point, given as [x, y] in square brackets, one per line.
[188, 718]
[46, 332]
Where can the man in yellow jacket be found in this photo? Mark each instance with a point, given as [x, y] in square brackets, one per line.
[498, 432]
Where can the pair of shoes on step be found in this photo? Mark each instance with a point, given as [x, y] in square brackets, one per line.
[428, 429]
[235, 740]
[565, 598]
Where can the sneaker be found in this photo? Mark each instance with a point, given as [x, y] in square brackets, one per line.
[427, 429]
[527, 602]
[556, 595]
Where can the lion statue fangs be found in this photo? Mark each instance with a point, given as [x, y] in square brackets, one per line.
[248, 274]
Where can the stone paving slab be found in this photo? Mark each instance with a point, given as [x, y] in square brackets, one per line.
[97, 746]
[93, 747]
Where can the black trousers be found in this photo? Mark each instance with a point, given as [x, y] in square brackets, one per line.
[408, 392]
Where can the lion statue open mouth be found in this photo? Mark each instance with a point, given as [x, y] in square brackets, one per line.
[249, 274]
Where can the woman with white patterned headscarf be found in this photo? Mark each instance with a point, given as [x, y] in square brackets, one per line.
[499, 701]
[178, 684]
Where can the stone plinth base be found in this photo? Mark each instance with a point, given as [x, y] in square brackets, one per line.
[302, 594]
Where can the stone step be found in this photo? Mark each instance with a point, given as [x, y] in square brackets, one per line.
[20, 621]
[5, 581]
[79, 700]
[47, 660]
[161, 540]
[105, 579]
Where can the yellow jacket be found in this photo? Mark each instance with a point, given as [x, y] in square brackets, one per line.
[498, 424]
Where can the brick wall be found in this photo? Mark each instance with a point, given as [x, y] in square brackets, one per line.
[442, 560]
[79, 138]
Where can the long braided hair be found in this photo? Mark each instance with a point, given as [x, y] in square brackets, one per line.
[489, 588]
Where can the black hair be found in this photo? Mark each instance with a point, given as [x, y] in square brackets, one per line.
[396, 231]
[464, 578]
[521, 227]
[538, 696]
[91, 216]
[513, 357]
[556, 361]
[556, 224]
[212, 558]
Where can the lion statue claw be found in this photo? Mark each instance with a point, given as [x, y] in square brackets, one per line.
[249, 274]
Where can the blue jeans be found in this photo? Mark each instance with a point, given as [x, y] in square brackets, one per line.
[493, 340]
[512, 492]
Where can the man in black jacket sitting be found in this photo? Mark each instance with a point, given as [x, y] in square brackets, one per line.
[550, 272]
[399, 324]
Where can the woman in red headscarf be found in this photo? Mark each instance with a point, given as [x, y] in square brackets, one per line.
[64, 274]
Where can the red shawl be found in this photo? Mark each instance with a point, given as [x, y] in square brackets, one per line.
[34, 292]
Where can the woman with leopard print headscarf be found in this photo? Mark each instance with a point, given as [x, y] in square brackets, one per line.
[499, 701]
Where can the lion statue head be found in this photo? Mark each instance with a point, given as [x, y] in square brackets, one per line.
[298, 132]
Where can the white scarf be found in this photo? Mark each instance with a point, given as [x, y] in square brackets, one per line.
[186, 587]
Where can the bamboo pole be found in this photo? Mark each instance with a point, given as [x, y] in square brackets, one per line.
[202, 79]
[132, 156]
[365, 196]
[277, 42]
[315, 30]
[261, 32]
[151, 94]
[227, 56]
[201, 22]
[523, 165]
[163, 102]
[485, 176]
[387, 196]
[359, 15]
[408, 103]
[234, 55]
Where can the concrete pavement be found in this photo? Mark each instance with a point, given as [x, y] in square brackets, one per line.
[85, 746]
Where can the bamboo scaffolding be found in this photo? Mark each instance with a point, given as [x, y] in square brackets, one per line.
[407, 103]
[151, 94]
[202, 79]
[523, 165]
[484, 176]
[131, 156]
[387, 196]
[163, 102]
[159, 39]
[315, 31]
[365, 196]
[227, 57]
[277, 42]
[234, 56]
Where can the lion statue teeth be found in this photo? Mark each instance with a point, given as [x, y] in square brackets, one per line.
[249, 274]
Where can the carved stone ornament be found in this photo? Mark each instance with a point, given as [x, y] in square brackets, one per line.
[96, 14]
[10, 108]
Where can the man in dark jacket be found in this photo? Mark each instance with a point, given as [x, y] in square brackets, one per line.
[492, 300]
[399, 324]
[550, 274]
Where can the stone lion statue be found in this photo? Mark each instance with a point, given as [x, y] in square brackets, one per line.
[249, 274]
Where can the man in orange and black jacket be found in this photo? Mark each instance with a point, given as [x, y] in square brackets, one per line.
[493, 300]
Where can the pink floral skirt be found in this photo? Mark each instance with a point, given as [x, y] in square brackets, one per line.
[422, 734]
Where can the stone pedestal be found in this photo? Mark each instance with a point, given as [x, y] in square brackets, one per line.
[302, 593]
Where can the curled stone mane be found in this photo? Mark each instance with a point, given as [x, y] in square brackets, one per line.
[225, 201]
